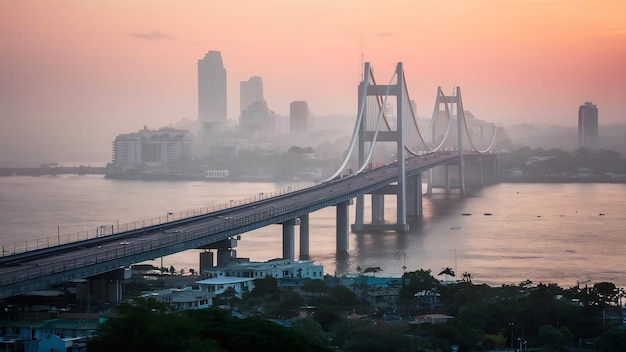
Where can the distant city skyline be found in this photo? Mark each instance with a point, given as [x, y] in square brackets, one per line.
[76, 74]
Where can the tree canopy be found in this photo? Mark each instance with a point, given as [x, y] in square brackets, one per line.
[148, 325]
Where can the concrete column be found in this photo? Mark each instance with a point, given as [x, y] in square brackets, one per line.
[359, 212]
[224, 255]
[410, 197]
[304, 236]
[429, 188]
[288, 239]
[419, 195]
[378, 208]
[446, 177]
[206, 261]
[342, 226]
[480, 171]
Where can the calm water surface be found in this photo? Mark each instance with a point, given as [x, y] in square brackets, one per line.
[558, 233]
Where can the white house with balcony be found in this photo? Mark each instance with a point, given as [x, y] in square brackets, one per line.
[219, 285]
[276, 268]
[183, 298]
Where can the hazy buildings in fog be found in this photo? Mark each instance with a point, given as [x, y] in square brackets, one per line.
[588, 126]
[150, 150]
[299, 117]
[256, 119]
[212, 100]
[212, 89]
[250, 91]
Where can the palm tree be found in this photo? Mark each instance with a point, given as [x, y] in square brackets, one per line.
[467, 277]
[447, 271]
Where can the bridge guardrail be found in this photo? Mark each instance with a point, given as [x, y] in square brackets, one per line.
[35, 272]
[117, 228]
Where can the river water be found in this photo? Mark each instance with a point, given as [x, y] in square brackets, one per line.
[501, 234]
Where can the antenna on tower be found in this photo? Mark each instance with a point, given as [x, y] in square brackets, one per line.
[362, 58]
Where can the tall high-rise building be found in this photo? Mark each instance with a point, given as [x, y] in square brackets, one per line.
[250, 91]
[588, 126]
[211, 88]
[298, 116]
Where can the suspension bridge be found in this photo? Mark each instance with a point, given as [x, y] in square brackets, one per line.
[388, 154]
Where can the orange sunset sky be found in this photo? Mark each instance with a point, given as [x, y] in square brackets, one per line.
[75, 74]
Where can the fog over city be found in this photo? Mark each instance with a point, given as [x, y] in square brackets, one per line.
[75, 74]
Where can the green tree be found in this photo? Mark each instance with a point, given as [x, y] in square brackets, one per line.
[314, 286]
[345, 297]
[552, 338]
[416, 281]
[606, 292]
[265, 286]
[147, 325]
[290, 303]
[613, 339]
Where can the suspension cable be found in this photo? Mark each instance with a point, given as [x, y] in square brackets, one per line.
[469, 138]
[355, 130]
[378, 121]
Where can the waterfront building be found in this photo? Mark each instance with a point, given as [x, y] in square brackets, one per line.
[377, 291]
[218, 285]
[152, 149]
[48, 331]
[299, 117]
[183, 298]
[588, 126]
[276, 268]
[212, 89]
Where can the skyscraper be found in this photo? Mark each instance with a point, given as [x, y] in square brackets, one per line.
[298, 116]
[588, 126]
[211, 88]
[250, 91]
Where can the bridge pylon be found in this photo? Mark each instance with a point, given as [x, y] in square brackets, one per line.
[395, 136]
[454, 99]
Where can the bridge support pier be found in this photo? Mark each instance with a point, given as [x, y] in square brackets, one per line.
[288, 238]
[342, 226]
[414, 192]
[359, 212]
[429, 188]
[378, 208]
[224, 255]
[225, 251]
[304, 236]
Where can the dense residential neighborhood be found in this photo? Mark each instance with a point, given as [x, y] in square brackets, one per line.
[419, 311]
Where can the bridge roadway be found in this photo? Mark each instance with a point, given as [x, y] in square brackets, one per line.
[39, 269]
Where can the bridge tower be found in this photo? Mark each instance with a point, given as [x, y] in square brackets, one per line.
[460, 127]
[395, 136]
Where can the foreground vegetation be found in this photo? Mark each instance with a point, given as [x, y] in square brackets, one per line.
[542, 317]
